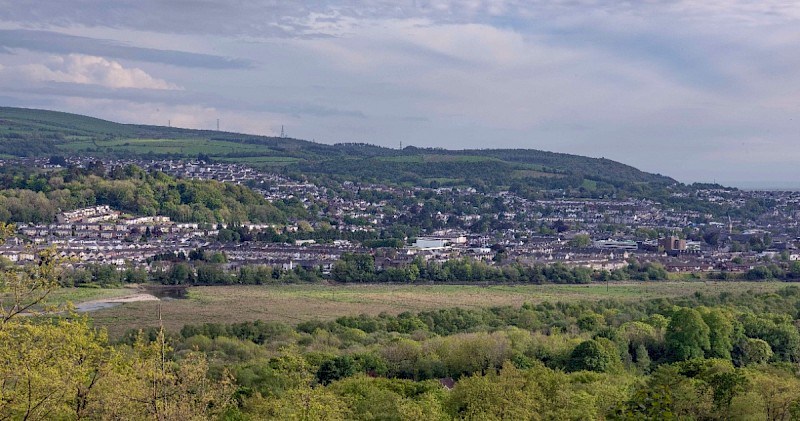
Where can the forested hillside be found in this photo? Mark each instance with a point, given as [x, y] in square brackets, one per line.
[35, 196]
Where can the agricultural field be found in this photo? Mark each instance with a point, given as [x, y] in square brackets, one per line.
[188, 147]
[295, 303]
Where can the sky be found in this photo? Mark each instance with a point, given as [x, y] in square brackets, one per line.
[699, 90]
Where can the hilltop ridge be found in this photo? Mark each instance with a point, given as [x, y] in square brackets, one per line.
[31, 132]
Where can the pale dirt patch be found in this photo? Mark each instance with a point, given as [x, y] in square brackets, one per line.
[132, 298]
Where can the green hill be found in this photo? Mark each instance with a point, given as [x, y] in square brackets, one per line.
[29, 132]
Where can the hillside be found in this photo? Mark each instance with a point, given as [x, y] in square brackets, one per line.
[29, 132]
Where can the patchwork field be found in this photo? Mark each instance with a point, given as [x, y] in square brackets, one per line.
[295, 303]
[189, 147]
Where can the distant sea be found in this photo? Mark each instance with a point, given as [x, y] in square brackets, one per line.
[785, 185]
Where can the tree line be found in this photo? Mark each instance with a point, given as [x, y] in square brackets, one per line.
[360, 267]
[206, 268]
[202, 267]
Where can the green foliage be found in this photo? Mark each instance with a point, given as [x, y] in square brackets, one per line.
[780, 334]
[535, 393]
[44, 367]
[649, 271]
[687, 335]
[36, 197]
[591, 356]
[337, 368]
[651, 403]
[720, 332]
[360, 267]
[354, 267]
[591, 321]
[391, 399]
[56, 366]
[580, 241]
[752, 351]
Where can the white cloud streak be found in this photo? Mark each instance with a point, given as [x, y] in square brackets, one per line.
[87, 70]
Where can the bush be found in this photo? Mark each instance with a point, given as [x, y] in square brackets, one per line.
[591, 356]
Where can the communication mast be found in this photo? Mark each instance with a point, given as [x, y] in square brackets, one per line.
[283, 133]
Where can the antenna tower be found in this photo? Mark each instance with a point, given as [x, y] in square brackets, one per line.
[283, 133]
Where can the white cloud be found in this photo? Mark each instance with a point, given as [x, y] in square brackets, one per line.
[87, 70]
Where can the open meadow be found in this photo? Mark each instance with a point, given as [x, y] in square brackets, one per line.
[296, 303]
[185, 147]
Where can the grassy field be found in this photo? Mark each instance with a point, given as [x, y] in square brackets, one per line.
[78, 295]
[189, 147]
[589, 184]
[295, 303]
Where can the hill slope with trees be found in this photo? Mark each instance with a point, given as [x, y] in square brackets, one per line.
[29, 132]
[36, 196]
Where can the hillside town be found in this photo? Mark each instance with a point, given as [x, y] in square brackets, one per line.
[443, 223]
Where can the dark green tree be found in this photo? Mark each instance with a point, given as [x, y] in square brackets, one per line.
[592, 356]
[720, 333]
[688, 336]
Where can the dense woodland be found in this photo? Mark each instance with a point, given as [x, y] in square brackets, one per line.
[36, 196]
[727, 356]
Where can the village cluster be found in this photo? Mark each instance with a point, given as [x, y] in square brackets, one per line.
[595, 233]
